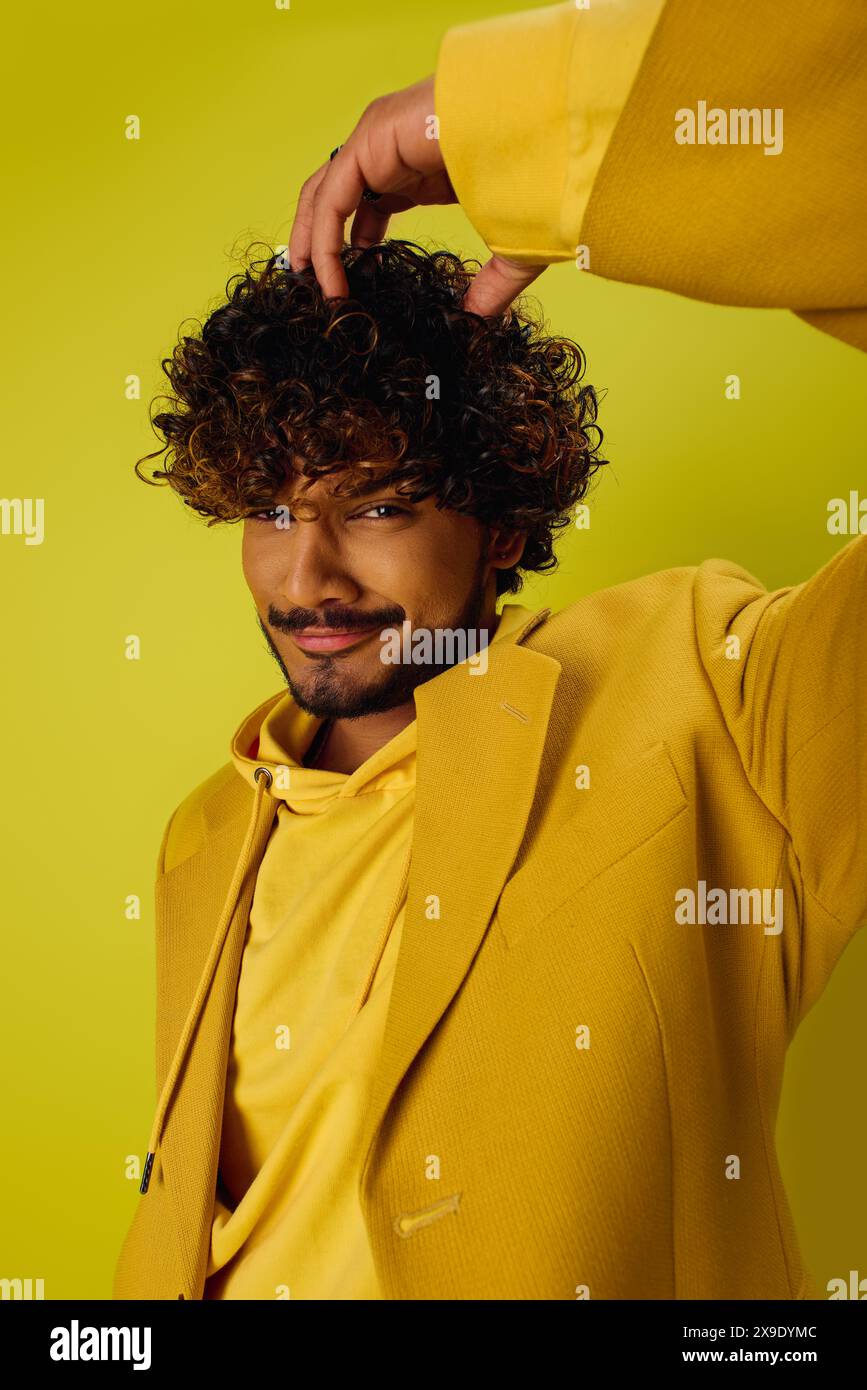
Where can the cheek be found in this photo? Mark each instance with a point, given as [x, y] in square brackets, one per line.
[255, 564]
[449, 563]
[416, 575]
[440, 558]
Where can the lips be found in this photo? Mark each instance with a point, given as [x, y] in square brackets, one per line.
[330, 640]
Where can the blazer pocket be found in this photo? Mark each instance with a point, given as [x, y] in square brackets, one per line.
[621, 810]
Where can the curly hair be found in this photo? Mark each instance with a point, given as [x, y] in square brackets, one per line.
[397, 384]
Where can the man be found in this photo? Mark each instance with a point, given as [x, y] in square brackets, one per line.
[476, 979]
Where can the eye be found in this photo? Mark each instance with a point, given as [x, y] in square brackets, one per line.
[379, 511]
[384, 507]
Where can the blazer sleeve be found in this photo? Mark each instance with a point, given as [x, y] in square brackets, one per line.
[161, 857]
[558, 128]
[789, 669]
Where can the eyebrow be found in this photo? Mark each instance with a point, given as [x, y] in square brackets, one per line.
[366, 490]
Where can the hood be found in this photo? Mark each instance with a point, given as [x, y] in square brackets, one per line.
[277, 736]
[267, 749]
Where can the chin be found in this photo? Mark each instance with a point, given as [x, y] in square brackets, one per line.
[332, 697]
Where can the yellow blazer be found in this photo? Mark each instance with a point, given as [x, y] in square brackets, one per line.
[598, 1076]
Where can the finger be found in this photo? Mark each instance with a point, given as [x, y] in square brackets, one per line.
[337, 196]
[368, 226]
[369, 157]
[371, 220]
[302, 225]
[391, 151]
[497, 284]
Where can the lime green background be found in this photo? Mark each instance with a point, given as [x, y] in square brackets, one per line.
[110, 245]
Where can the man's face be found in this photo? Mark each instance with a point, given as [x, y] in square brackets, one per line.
[329, 579]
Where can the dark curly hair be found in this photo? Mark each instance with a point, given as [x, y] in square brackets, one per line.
[396, 384]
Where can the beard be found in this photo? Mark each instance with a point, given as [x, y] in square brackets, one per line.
[331, 692]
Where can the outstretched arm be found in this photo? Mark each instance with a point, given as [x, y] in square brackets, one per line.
[790, 672]
[712, 150]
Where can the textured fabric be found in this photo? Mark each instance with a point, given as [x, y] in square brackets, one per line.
[555, 82]
[326, 916]
[545, 159]
[723, 728]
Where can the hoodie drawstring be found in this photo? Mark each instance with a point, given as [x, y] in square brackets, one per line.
[262, 784]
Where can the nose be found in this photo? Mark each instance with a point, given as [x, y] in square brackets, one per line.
[315, 570]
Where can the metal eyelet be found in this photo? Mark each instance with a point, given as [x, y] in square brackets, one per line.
[267, 774]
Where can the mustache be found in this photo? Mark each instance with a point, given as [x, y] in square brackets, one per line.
[341, 619]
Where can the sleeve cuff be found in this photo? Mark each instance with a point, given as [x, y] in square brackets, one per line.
[527, 104]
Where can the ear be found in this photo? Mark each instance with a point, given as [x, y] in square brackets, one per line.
[505, 548]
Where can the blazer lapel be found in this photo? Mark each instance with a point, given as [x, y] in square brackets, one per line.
[480, 741]
[189, 902]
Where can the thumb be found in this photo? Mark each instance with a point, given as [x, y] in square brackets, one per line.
[495, 286]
